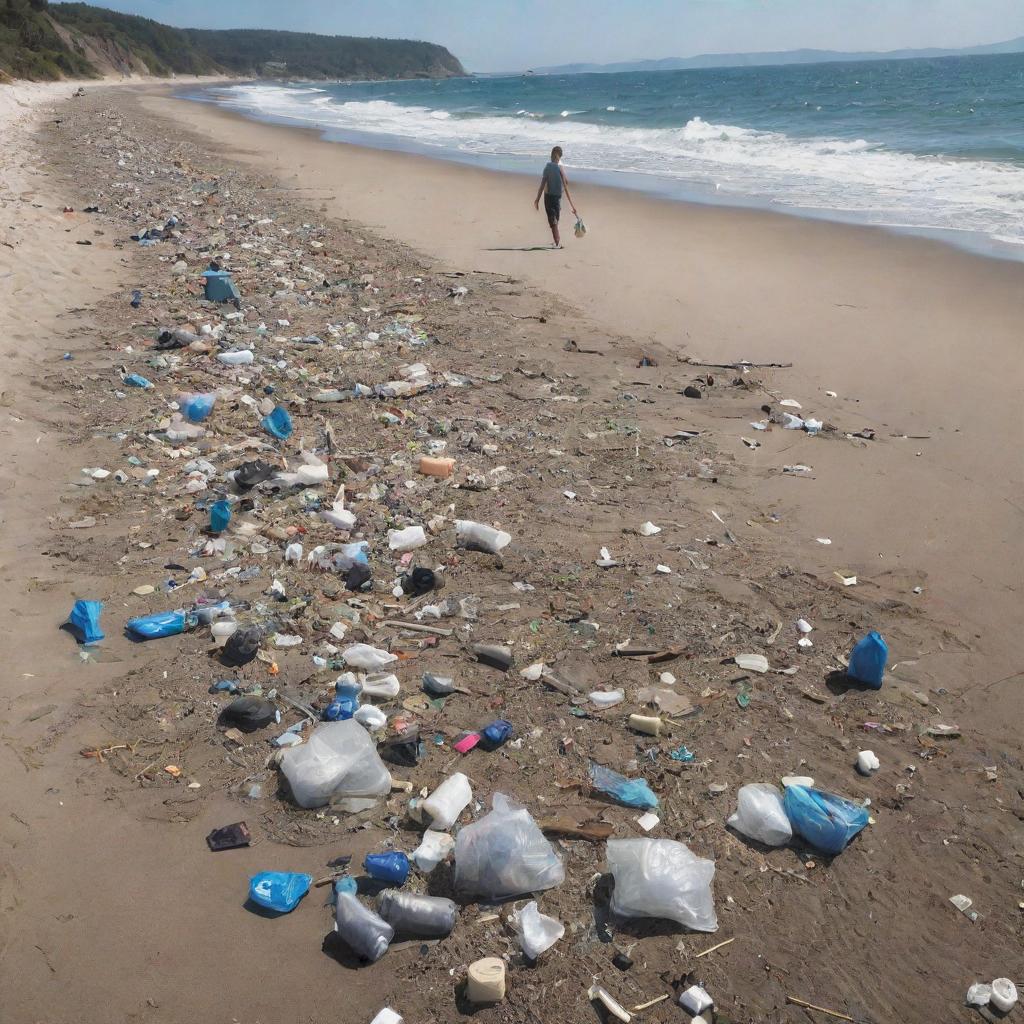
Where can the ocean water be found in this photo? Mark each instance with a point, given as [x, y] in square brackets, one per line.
[930, 146]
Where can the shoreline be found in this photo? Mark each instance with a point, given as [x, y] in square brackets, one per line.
[971, 242]
[911, 333]
[149, 905]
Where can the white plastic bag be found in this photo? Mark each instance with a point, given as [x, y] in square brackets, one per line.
[505, 854]
[409, 539]
[339, 760]
[760, 814]
[580, 228]
[432, 850]
[537, 932]
[370, 659]
[664, 879]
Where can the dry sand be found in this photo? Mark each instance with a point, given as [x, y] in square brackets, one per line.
[111, 907]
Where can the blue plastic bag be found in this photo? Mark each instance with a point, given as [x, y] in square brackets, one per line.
[85, 618]
[195, 408]
[867, 660]
[279, 890]
[150, 627]
[387, 867]
[497, 732]
[134, 380]
[220, 516]
[631, 792]
[278, 423]
[826, 821]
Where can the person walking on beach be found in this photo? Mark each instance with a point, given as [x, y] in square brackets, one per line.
[552, 184]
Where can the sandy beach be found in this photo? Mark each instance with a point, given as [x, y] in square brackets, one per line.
[915, 337]
[112, 906]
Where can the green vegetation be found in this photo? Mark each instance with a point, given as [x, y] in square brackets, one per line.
[30, 46]
[43, 41]
[305, 55]
[162, 49]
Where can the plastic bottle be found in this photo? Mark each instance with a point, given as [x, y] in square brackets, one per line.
[361, 929]
[222, 630]
[387, 867]
[448, 801]
[479, 536]
[867, 660]
[346, 699]
[421, 917]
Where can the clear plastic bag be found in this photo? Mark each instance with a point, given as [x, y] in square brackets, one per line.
[537, 932]
[339, 760]
[631, 792]
[664, 879]
[760, 814]
[505, 854]
[826, 821]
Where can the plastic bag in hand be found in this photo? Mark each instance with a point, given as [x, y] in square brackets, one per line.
[826, 821]
[761, 815]
[505, 854]
[664, 879]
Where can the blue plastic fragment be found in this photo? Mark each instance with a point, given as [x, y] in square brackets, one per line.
[85, 619]
[135, 380]
[279, 890]
[278, 423]
[826, 821]
[631, 792]
[681, 753]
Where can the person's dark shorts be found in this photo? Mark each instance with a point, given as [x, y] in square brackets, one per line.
[553, 208]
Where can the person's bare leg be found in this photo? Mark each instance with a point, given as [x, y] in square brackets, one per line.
[556, 236]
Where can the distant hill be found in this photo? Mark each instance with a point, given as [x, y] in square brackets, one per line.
[741, 60]
[39, 40]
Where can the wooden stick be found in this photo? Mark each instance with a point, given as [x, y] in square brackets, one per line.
[418, 627]
[820, 1009]
[713, 948]
[649, 1004]
[740, 365]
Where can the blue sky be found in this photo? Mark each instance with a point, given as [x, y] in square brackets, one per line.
[489, 35]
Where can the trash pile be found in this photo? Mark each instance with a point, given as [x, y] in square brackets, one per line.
[418, 594]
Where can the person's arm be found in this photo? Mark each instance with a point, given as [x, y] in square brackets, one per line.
[540, 191]
[565, 186]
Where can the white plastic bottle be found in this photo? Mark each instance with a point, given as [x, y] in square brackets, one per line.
[448, 801]
[480, 536]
